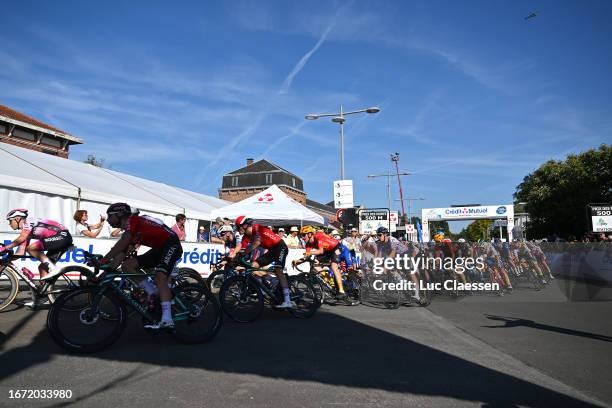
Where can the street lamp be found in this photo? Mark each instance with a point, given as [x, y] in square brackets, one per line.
[388, 175]
[339, 117]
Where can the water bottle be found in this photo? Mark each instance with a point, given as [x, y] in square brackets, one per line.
[27, 273]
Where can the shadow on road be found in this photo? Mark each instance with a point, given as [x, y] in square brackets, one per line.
[518, 322]
[328, 349]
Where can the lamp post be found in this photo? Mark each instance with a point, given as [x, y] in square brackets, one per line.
[388, 176]
[339, 117]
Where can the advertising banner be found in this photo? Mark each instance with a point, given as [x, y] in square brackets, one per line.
[372, 219]
[601, 217]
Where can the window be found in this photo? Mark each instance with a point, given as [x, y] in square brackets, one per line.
[22, 134]
[234, 181]
[293, 181]
[268, 178]
[3, 129]
[51, 141]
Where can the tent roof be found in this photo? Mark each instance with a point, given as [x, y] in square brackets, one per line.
[272, 206]
[30, 170]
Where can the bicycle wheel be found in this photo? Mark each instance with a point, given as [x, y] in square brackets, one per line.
[64, 283]
[241, 299]
[197, 314]
[303, 294]
[391, 298]
[215, 281]
[94, 327]
[9, 287]
[316, 284]
[190, 276]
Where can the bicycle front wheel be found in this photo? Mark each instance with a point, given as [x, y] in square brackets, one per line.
[65, 283]
[241, 299]
[96, 325]
[197, 314]
[9, 287]
[304, 296]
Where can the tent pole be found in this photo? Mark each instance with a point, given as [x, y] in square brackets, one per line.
[78, 198]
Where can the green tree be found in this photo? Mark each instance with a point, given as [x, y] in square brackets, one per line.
[94, 161]
[558, 191]
[477, 230]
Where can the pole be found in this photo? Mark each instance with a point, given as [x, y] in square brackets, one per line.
[400, 187]
[341, 146]
[389, 188]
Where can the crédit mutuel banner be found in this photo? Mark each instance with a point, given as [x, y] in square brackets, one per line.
[505, 211]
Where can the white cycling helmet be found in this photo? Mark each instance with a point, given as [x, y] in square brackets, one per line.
[225, 228]
[17, 212]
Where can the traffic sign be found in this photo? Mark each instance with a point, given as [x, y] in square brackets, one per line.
[343, 194]
[393, 220]
[339, 214]
[372, 219]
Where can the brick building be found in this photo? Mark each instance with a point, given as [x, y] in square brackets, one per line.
[255, 177]
[24, 131]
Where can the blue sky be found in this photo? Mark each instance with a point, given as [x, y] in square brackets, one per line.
[473, 96]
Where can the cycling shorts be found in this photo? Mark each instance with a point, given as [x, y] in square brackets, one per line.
[276, 255]
[336, 255]
[163, 258]
[55, 246]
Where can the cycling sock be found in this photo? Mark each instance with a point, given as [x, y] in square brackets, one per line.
[166, 311]
[286, 295]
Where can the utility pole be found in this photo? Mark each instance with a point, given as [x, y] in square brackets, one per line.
[395, 159]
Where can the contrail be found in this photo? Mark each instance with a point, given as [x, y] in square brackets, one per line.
[251, 129]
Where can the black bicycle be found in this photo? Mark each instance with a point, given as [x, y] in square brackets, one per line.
[243, 295]
[97, 314]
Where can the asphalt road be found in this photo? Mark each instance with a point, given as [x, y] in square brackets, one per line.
[559, 355]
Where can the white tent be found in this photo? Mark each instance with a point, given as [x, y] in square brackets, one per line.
[55, 188]
[273, 207]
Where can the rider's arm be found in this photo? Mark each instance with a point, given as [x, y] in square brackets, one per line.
[121, 246]
[23, 237]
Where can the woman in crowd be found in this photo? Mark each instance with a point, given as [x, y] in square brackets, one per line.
[83, 228]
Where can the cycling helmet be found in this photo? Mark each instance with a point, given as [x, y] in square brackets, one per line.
[438, 237]
[119, 209]
[224, 229]
[307, 229]
[17, 212]
[461, 240]
[243, 220]
[382, 230]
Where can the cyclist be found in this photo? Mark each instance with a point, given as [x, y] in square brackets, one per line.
[230, 239]
[165, 251]
[51, 236]
[387, 246]
[327, 249]
[257, 236]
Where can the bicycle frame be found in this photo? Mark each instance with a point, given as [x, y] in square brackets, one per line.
[109, 282]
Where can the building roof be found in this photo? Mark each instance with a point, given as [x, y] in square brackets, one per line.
[22, 119]
[319, 206]
[260, 166]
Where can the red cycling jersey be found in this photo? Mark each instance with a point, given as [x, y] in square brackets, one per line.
[148, 231]
[267, 237]
[322, 241]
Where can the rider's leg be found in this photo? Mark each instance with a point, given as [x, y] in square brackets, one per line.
[338, 276]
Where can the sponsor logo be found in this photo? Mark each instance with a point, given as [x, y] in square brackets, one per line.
[501, 210]
[266, 198]
[465, 211]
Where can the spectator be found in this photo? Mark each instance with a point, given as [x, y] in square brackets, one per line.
[214, 231]
[202, 235]
[281, 233]
[292, 240]
[91, 231]
[179, 227]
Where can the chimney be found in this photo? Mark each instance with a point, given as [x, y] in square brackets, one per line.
[249, 162]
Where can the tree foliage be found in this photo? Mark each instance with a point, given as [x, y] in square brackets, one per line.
[94, 161]
[558, 191]
[477, 230]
